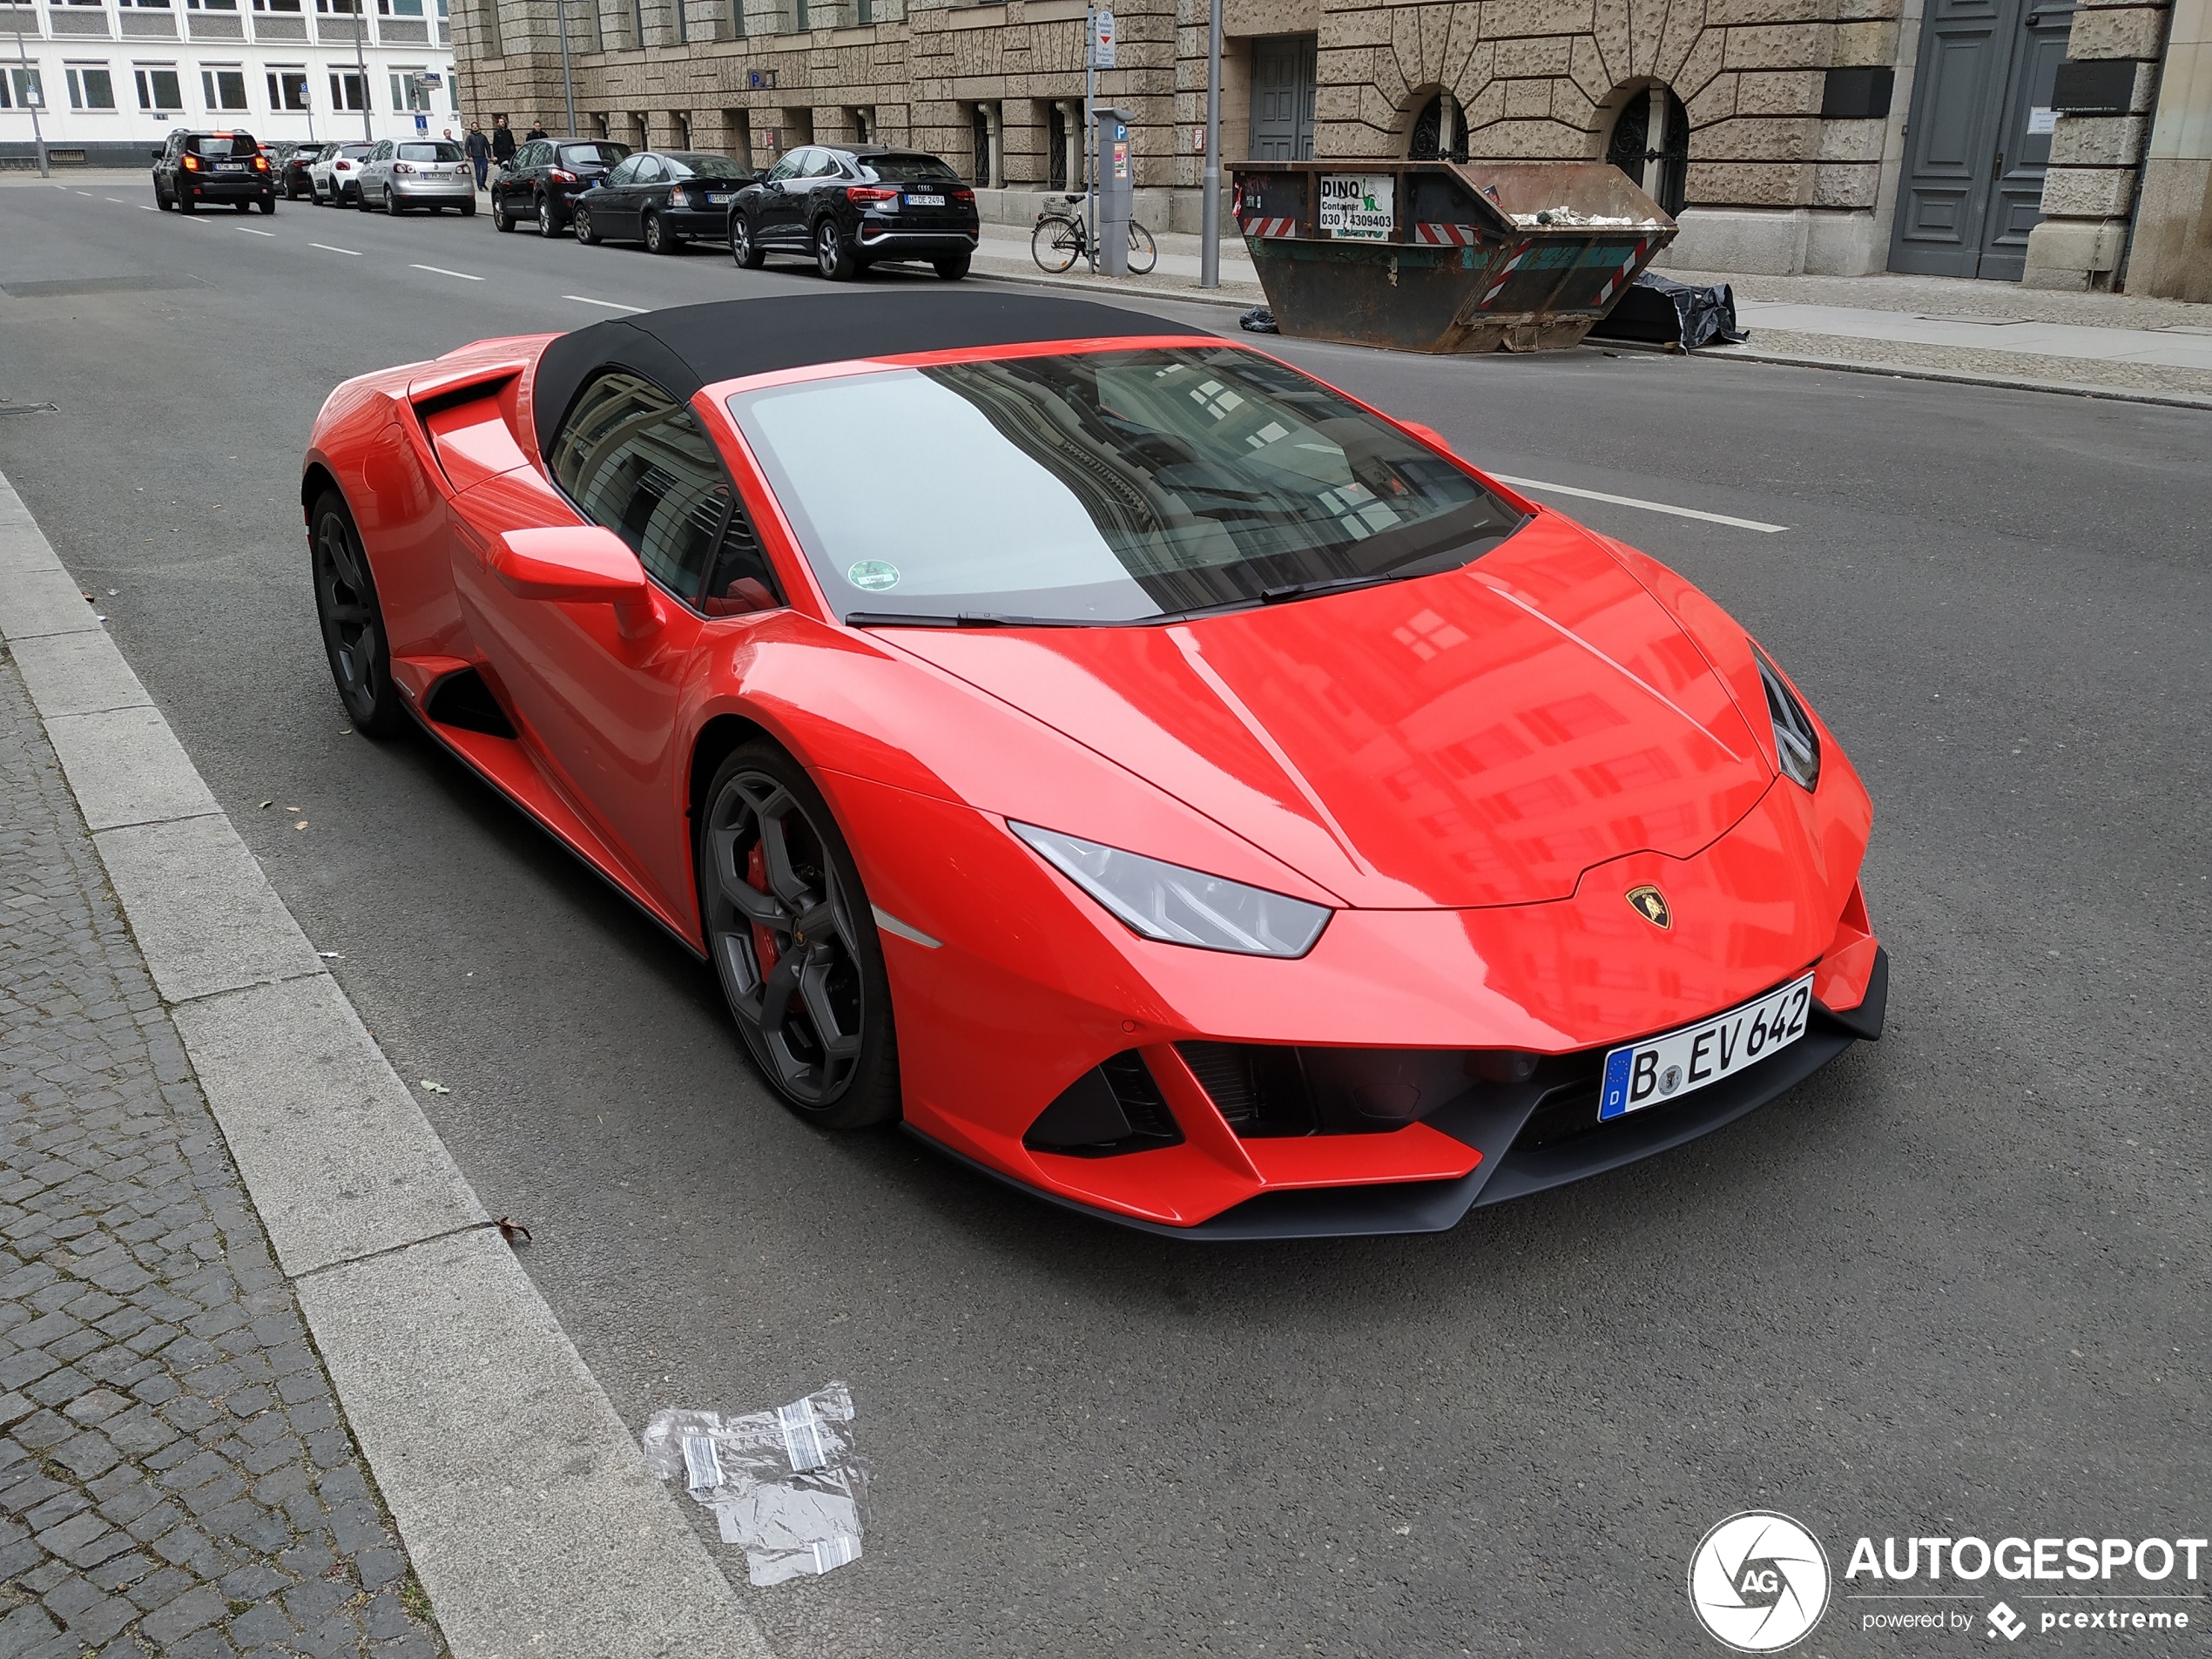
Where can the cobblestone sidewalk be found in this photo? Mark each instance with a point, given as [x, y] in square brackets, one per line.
[175, 1475]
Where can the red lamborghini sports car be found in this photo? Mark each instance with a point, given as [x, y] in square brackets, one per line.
[1151, 775]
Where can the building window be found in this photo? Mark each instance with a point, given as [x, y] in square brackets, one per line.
[799, 20]
[408, 92]
[1651, 143]
[211, 5]
[224, 89]
[158, 90]
[290, 6]
[682, 24]
[90, 87]
[288, 89]
[145, 5]
[348, 89]
[864, 12]
[1440, 131]
[737, 19]
[20, 89]
[341, 7]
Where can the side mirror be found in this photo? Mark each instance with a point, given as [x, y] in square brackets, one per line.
[583, 561]
[155, 154]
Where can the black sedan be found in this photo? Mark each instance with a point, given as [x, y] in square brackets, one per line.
[545, 176]
[291, 162]
[662, 198]
[848, 207]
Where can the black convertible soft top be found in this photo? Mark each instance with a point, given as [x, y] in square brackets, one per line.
[689, 346]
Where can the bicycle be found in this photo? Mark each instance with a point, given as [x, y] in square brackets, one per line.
[1061, 237]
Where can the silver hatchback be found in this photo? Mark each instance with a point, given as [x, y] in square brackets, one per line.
[402, 174]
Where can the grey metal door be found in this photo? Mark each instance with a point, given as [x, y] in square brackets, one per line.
[1972, 185]
[1283, 77]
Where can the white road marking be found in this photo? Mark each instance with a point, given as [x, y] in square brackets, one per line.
[350, 252]
[148, 207]
[117, 200]
[612, 305]
[86, 194]
[1648, 506]
[249, 230]
[441, 271]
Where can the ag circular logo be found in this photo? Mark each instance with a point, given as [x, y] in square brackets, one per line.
[1759, 1582]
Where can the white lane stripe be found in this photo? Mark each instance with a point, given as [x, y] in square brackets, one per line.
[1648, 506]
[441, 271]
[612, 305]
[117, 200]
[249, 230]
[349, 252]
[148, 207]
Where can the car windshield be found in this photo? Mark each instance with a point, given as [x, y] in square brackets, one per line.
[222, 143]
[900, 170]
[592, 155]
[436, 152]
[1104, 487]
[684, 164]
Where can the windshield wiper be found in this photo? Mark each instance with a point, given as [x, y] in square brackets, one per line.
[1327, 585]
[965, 619]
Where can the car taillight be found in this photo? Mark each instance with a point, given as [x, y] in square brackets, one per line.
[679, 197]
[192, 164]
[870, 195]
[561, 176]
[402, 166]
[963, 195]
[342, 165]
[261, 163]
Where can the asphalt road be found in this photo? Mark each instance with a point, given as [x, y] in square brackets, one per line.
[1956, 1283]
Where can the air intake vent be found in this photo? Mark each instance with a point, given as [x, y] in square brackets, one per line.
[463, 701]
[1112, 1109]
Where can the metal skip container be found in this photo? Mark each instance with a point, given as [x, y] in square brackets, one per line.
[1444, 256]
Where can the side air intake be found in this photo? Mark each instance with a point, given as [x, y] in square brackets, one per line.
[1112, 1109]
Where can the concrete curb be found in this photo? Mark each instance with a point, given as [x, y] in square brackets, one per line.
[529, 1515]
[1911, 372]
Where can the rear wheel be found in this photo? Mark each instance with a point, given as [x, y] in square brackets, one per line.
[242, 208]
[1143, 253]
[162, 201]
[352, 621]
[658, 237]
[743, 248]
[795, 943]
[391, 208]
[953, 269]
[548, 225]
[185, 203]
[268, 204]
[1055, 244]
[468, 208]
[580, 221]
[501, 221]
[833, 254]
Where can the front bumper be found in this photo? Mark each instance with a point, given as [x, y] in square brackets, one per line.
[1515, 1159]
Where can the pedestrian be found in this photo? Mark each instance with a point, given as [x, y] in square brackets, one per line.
[536, 131]
[479, 150]
[503, 140]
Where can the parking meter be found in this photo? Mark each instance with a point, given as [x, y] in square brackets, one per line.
[1114, 168]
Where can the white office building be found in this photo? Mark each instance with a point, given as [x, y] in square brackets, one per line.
[109, 79]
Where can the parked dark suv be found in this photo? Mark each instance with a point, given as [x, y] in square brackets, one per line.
[847, 208]
[545, 175]
[196, 169]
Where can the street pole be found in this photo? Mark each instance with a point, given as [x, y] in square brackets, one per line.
[361, 64]
[567, 84]
[38, 132]
[1210, 180]
[1090, 138]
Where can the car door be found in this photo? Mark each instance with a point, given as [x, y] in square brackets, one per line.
[639, 174]
[598, 693]
[521, 182]
[777, 223]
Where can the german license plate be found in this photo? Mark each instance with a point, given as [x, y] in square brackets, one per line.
[925, 201]
[229, 167]
[716, 198]
[1667, 1067]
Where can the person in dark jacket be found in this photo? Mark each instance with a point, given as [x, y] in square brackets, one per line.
[479, 150]
[503, 140]
[536, 131]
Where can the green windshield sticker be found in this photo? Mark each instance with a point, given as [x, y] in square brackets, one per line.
[872, 576]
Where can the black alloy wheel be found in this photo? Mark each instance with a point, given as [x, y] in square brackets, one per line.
[352, 621]
[548, 225]
[658, 237]
[795, 943]
[743, 248]
[833, 254]
[580, 222]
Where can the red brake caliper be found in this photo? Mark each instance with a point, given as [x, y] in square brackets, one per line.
[763, 942]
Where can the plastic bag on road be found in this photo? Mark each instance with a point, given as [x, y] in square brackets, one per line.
[1666, 313]
[1258, 320]
[786, 1485]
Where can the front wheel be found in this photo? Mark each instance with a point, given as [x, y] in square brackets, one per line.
[580, 222]
[352, 621]
[1055, 244]
[833, 254]
[953, 269]
[1143, 253]
[794, 942]
[743, 248]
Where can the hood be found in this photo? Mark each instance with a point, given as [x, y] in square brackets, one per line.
[1477, 737]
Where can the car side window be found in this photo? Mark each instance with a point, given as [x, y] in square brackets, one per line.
[788, 167]
[819, 165]
[741, 580]
[649, 170]
[623, 174]
[636, 461]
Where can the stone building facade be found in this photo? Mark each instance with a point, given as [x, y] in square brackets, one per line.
[2011, 139]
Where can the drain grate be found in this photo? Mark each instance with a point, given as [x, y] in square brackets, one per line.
[97, 285]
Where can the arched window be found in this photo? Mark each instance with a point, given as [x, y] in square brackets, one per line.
[1651, 143]
[1440, 131]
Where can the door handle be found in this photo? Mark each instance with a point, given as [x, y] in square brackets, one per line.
[1997, 167]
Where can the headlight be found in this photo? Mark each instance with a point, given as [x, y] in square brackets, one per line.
[1795, 741]
[1180, 907]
